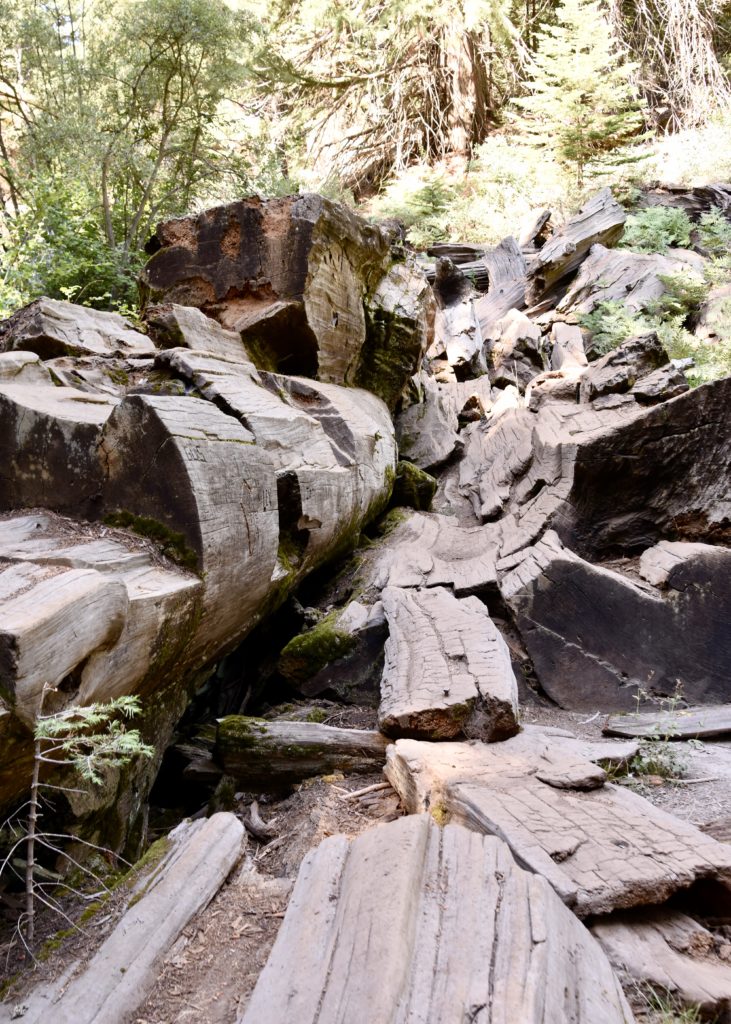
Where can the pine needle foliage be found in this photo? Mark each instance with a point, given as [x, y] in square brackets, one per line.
[582, 100]
[92, 738]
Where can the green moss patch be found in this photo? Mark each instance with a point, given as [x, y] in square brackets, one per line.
[413, 487]
[172, 544]
[309, 652]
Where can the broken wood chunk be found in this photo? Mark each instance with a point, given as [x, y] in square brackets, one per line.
[264, 755]
[507, 272]
[413, 924]
[601, 849]
[447, 669]
[601, 219]
[669, 951]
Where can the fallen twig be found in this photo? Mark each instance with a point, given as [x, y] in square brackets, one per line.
[368, 789]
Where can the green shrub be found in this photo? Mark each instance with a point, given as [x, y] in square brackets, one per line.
[612, 323]
[714, 233]
[684, 293]
[656, 229]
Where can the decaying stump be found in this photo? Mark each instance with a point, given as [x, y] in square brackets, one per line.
[410, 922]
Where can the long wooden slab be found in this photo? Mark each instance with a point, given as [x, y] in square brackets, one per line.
[601, 847]
[266, 755]
[413, 924]
[685, 724]
[125, 967]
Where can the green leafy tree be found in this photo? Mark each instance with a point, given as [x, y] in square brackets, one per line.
[113, 114]
[582, 101]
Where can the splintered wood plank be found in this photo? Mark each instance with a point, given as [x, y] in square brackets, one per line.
[447, 669]
[125, 968]
[682, 724]
[601, 219]
[413, 924]
[601, 848]
[669, 951]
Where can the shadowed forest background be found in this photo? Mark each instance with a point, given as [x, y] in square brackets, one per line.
[457, 117]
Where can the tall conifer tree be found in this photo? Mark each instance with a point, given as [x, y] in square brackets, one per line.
[583, 102]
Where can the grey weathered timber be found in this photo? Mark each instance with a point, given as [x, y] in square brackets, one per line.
[694, 201]
[22, 368]
[507, 272]
[49, 439]
[309, 285]
[89, 614]
[333, 448]
[681, 724]
[600, 846]
[173, 326]
[605, 479]
[567, 346]
[126, 966]
[413, 924]
[634, 279]
[430, 550]
[514, 353]
[183, 463]
[447, 669]
[426, 431]
[264, 755]
[601, 219]
[671, 952]
[52, 327]
[618, 371]
[534, 228]
[597, 637]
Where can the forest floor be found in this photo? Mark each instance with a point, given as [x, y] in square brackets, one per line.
[209, 974]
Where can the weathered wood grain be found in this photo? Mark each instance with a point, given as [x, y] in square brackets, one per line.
[413, 924]
[601, 219]
[607, 636]
[431, 550]
[49, 438]
[125, 968]
[681, 724]
[602, 848]
[507, 273]
[272, 755]
[184, 464]
[447, 669]
[618, 275]
[672, 953]
[52, 327]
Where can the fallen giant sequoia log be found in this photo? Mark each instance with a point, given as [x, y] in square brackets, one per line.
[413, 922]
[243, 480]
